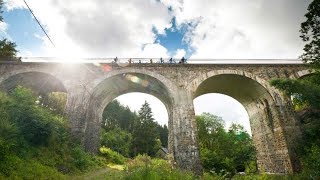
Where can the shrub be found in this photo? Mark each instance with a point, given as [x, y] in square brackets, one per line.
[35, 142]
[118, 140]
[82, 160]
[112, 156]
[143, 167]
[311, 163]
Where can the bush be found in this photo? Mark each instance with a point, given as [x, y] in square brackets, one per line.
[112, 156]
[143, 167]
[118, 140]
[81, 160]
[311, 163]
[35, 142]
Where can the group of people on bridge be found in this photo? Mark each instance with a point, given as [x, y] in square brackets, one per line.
[161, 60]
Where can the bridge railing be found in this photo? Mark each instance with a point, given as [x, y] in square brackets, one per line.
[161, 60]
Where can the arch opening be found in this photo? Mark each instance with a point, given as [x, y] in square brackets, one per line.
[120, 84]
[140, 122]
[262, 113]
[135, 100]
[226, 107]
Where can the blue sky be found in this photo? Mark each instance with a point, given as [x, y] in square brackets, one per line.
[22, 29]
[173, 39]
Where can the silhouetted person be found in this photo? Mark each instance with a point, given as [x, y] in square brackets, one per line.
[151, 61]
[139, 61]
[161, 60]
[183, 60]
[170, 60]
[130, 61]
[115, 60]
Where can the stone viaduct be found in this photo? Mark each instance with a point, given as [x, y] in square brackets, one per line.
[90, 87]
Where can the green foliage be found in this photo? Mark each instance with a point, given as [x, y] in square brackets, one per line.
[222, 152]
[117, 116]
[311, 162]
[13, 167]
[118, 140]
[145, 133]
[34, 122]
[8, 50]
[35, 142]
[131, 134]
[55, 101]
[112, 156]
[163, 133]
[143, 167]
[82, 160]
[305, 91]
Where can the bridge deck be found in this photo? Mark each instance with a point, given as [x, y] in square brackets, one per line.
[158, 61]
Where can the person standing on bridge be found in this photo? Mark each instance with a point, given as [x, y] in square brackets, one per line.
[115, 60]
[170, 60]
[182, 61]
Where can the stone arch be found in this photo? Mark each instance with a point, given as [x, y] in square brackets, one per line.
[300, 74]
[121, 82]
[169, 84]
[265, 117]
[46, 70]
[39, 82]
[197, 81]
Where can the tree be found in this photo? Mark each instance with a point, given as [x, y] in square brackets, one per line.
[145, 134]
[222, 151]
[310, 33]
[116, 115]
[118, 140]
[7, 48]
[55, 101]
[163, 132]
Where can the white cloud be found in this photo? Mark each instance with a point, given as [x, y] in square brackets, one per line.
[13, 4]
[154, 50]
[3, 27]
[95, 28]
[242, 28]
[180, 53]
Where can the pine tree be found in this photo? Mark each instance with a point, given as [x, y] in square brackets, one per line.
[145, 134]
